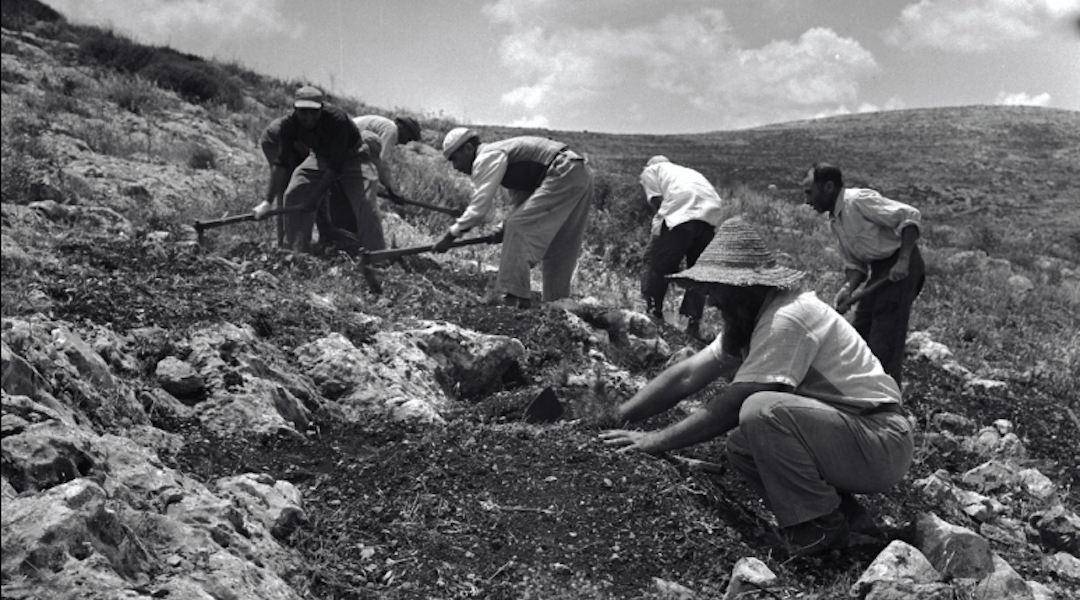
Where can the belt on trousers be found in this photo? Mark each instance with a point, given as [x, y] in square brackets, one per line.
[890, 407]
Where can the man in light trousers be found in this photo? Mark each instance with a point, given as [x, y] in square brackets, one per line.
[551, 194]
[812, 416]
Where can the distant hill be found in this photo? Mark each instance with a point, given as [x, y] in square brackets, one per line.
[1019, 164]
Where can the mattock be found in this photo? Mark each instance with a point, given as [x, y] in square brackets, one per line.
[368, 258]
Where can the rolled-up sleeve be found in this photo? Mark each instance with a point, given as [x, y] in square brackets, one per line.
[488, 171]
[888, 213]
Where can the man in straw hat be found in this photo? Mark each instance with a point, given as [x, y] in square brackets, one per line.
[812, 415]
[339, 154]
[877, 238]
[687, 211]
[550, 193]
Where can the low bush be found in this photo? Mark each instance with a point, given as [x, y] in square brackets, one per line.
[197, 84]
[202, 157]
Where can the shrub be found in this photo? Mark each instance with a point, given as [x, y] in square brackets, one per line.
[202, 157]
[18, 14]
[120, 53]
[197, 84]
[133, 93]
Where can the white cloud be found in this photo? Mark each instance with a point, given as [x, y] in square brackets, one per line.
[1022, 99]
[535, 121]
[565, 57]
[976, 25]
[158, 19]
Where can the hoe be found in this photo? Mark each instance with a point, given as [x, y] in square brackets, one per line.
[370, 258]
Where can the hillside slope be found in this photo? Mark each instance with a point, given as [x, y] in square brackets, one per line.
[189, 420]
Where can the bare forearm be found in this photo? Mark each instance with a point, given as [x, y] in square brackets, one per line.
[719, 416]
[667, 389]
[908, 237]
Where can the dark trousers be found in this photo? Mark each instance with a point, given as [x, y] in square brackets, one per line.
[881, 318]
[664, 255]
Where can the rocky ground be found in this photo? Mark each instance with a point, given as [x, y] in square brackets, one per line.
[479, 503]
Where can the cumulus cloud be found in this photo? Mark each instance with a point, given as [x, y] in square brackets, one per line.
[976, 25]
[1022, 99]
[567, 54]
[157, 19]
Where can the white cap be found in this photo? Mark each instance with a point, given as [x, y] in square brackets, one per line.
[659, 158]
[456, 138]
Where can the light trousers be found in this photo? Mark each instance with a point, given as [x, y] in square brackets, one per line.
[799, 453]
[548, 228]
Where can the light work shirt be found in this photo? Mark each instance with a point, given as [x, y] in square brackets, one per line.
[799, 341]
[385, 128]
[488, 170]
[686, 196]
[868, 226]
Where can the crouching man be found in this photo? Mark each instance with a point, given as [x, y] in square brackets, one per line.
[813, 418]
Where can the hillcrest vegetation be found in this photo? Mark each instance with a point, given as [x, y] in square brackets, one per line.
[200, 414]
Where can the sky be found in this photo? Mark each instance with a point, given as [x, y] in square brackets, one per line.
[631, 66]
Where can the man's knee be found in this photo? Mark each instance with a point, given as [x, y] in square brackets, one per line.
[757, 409]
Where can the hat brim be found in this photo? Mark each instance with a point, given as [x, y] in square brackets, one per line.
[780, 277]
[307, 104]
[448, 152]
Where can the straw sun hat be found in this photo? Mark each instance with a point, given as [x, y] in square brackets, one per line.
[738, 256]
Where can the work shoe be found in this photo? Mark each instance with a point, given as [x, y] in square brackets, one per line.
[859, 519]
[693, 328]
[820, 535]
[517, 301]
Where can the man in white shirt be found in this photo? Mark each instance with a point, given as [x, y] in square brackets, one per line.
[813, 418]
[687, 210]
[550, 192]
[877, 238]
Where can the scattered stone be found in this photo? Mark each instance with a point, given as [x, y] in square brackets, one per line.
[1004, 583]
[1064, 565]
[1058, 528]
[898, 562]
[181, 380]
[991, 476]
[749, 575]
[669, 590]
[1036, 484]
[953, 550]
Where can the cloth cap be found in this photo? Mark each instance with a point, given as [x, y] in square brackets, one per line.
[738, 256]
[409, 126]
[308, 97]
[659, 158]
[456, 138]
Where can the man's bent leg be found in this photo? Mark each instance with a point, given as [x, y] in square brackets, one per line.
[804, 451]
[305, 179]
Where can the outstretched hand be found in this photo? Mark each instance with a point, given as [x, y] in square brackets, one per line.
[626, 441]
[444, 244]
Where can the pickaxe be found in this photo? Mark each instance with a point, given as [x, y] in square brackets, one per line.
[368, 258]
[201, 226]
[454, 212]
[866, 291]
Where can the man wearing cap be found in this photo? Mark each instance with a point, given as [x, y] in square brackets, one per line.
[877, 238]
[339, 154]
[812, 416]
[687, 211]
[550, 193]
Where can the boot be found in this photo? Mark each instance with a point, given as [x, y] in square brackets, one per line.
[820, 535]
[859, 519]
[517, 302]
[693, 328]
